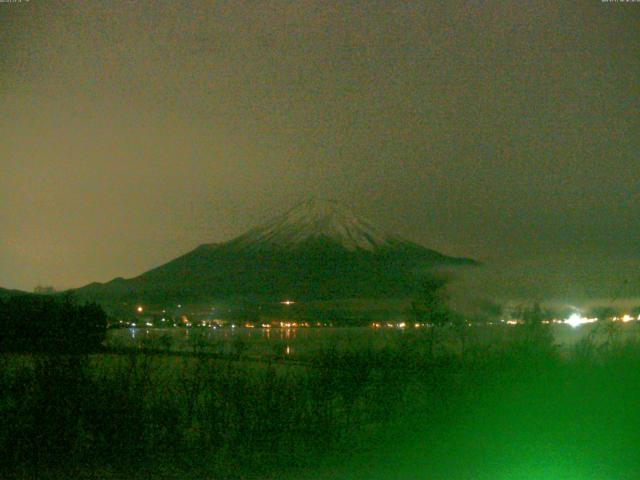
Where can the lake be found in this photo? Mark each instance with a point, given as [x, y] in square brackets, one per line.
[294, 342]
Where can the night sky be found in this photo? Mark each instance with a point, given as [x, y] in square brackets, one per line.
[133, 131]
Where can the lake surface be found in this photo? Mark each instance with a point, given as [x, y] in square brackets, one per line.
[281, 342]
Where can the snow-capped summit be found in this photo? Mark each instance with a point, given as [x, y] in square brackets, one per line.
[318, 219]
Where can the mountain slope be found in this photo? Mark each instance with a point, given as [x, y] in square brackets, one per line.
[5, 293]
[317, 250]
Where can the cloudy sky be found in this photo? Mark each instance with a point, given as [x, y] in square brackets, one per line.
[133, 131]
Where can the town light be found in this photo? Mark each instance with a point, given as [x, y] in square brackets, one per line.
[576, 320]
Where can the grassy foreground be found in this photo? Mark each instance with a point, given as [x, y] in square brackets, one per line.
[511, 410]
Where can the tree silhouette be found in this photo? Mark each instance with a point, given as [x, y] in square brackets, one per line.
[430, 302]
[50, 324]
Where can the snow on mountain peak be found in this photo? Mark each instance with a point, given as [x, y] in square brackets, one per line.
[315, 219]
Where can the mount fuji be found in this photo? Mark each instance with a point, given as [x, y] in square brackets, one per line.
[316, 250]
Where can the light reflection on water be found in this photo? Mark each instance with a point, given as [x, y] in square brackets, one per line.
[287, 341]
[259, 341]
